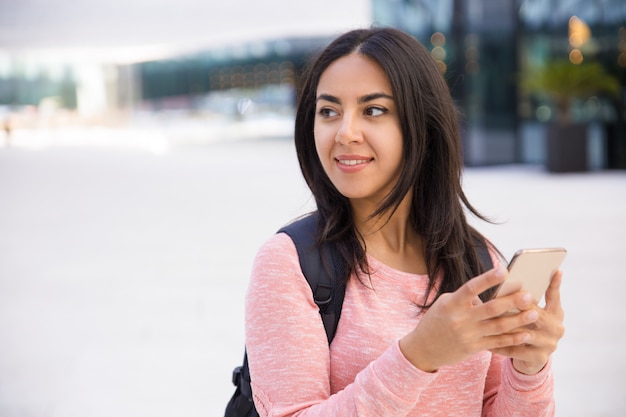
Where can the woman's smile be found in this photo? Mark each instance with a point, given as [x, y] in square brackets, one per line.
[352, 163]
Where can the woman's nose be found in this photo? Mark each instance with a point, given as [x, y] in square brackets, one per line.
[349, 130]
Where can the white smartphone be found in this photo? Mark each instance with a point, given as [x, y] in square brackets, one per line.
[531, 270]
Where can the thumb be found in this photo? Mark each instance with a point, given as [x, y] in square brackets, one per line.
[553, 293]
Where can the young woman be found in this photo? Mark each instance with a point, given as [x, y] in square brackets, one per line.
[378, 144]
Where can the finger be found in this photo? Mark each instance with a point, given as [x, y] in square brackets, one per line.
[522, 352]
[475, 286]
[504, 342]
[506, 305]
[553, 294]
[542, 340]
[510, 323]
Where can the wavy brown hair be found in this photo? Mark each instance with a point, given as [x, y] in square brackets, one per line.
[431, 166]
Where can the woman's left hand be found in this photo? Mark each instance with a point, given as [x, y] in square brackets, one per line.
[546, 332]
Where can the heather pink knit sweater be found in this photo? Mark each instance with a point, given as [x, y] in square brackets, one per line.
[364, 373]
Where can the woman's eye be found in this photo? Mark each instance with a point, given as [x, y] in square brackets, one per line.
[326, 112]
[375, 111]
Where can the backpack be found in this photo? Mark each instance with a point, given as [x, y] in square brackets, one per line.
[323, 272]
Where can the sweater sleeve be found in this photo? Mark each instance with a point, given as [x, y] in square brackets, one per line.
[288, 352]
[511, 393]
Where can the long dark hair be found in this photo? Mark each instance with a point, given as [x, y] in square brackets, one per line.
[431, 167]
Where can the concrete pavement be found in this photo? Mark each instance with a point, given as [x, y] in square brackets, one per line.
[122, 272]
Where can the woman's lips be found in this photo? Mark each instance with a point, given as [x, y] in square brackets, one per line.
[352, 163]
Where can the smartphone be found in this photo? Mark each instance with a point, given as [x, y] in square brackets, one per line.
[531, 270]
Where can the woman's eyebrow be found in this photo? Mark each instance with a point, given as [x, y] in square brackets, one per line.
[328, 97]
[374, 96]
[363, 99]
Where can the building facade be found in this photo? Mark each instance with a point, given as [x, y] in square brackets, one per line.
[484, 46]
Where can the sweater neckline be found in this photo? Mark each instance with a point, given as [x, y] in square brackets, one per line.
[387, 272]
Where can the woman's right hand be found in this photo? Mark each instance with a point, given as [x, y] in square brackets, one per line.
[458, 325]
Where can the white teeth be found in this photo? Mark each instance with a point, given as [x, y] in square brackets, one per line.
[352, 162]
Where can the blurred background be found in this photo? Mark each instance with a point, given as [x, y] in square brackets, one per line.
[146, 153]
[515, 68]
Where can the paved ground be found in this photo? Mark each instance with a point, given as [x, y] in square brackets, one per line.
[122, 272]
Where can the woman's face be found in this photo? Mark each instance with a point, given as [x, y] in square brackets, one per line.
[357, 131]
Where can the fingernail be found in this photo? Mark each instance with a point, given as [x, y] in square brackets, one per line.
[500, 272]
[532, 315]
[527, 338]
[527, 298]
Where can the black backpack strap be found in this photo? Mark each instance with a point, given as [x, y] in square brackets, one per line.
[483, 255]
[321, 268]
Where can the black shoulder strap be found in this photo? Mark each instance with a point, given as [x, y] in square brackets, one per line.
[483, 255]
[321, 269]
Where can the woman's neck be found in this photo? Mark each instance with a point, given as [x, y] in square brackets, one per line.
[391, 238]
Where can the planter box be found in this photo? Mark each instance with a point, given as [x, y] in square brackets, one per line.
[566, 149]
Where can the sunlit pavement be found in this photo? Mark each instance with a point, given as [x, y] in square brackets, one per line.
[123, 269]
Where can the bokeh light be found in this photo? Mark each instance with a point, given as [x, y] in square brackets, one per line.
[576, 56]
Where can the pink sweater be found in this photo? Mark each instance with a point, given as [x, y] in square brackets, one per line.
[364, 373]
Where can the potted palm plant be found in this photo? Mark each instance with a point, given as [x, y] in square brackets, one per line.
[562, 82]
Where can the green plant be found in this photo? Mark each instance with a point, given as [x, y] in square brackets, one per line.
[561, 81]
